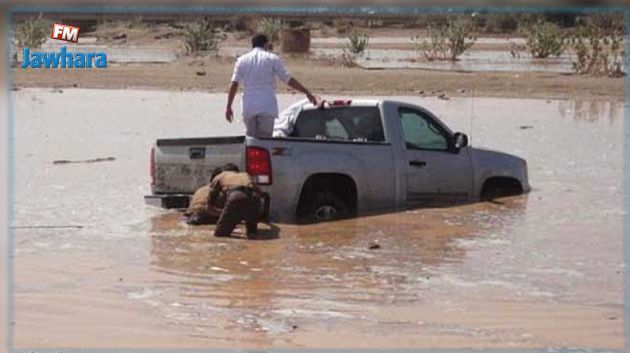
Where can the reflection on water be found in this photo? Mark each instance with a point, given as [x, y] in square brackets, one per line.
[590, 110]
[558, 245]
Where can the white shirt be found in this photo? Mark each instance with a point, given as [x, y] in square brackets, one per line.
[283, 126]
[257, 71]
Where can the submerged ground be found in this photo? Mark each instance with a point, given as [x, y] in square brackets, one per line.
[95, 267]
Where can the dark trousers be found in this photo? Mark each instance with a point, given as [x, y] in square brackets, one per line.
[239, 206]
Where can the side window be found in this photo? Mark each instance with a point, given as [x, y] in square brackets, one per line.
[421, 132]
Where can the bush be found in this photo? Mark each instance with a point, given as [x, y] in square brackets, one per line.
[200, 36]
[31, 32]
[501, 23]
[357, 42]
[447, 42]
[545, 39]
[598, 50]
[270, 27]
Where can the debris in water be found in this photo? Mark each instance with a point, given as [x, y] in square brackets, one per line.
[201, 73]
[443, 96]
[524, 127]
[294, 327]
[95, 160]
[374, 245]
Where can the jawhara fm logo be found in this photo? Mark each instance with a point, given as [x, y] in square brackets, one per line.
[64, 59]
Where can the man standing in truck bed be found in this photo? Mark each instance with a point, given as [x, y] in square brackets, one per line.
[242, 202]
[257, 70]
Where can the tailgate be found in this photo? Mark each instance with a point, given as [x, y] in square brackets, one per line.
[183, 165]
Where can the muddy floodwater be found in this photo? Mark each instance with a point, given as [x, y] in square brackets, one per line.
[96, 268]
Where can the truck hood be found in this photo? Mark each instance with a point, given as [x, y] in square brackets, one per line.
[489, 163]
[496, 156]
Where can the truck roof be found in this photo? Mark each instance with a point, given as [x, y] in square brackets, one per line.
[346, 102]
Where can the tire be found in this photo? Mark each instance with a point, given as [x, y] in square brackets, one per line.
[489, 193]
[323, 206]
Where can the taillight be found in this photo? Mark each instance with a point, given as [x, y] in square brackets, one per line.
[339, 102]
[259, 165]
[152, 166]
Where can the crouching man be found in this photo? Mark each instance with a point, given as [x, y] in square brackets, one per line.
[198, 211]
[242, 202]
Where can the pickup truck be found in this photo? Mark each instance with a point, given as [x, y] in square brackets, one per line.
[353, 157]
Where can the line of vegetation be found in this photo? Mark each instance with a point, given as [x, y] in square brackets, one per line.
[594, 41]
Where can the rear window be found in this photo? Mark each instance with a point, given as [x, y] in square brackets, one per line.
[362, 124]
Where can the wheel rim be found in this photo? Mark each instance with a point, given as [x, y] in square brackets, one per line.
[325, 212]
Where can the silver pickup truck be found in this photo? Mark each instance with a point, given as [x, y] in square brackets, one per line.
[353, 157]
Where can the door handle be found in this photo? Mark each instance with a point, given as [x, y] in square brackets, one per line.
[418, 164]
[197, 153]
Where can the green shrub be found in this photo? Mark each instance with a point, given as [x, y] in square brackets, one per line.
[31, 32]
[598, 50]
[357, 42]
[433, 48]
[270, 27]
[202, 36]
[447, 42]
[545, 39]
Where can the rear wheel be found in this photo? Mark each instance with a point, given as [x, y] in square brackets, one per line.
[323, 206]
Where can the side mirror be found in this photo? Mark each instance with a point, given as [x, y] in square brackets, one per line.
[460, 141]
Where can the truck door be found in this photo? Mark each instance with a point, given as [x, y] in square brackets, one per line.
[435, 170]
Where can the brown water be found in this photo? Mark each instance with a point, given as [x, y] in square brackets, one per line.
[539, 270]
